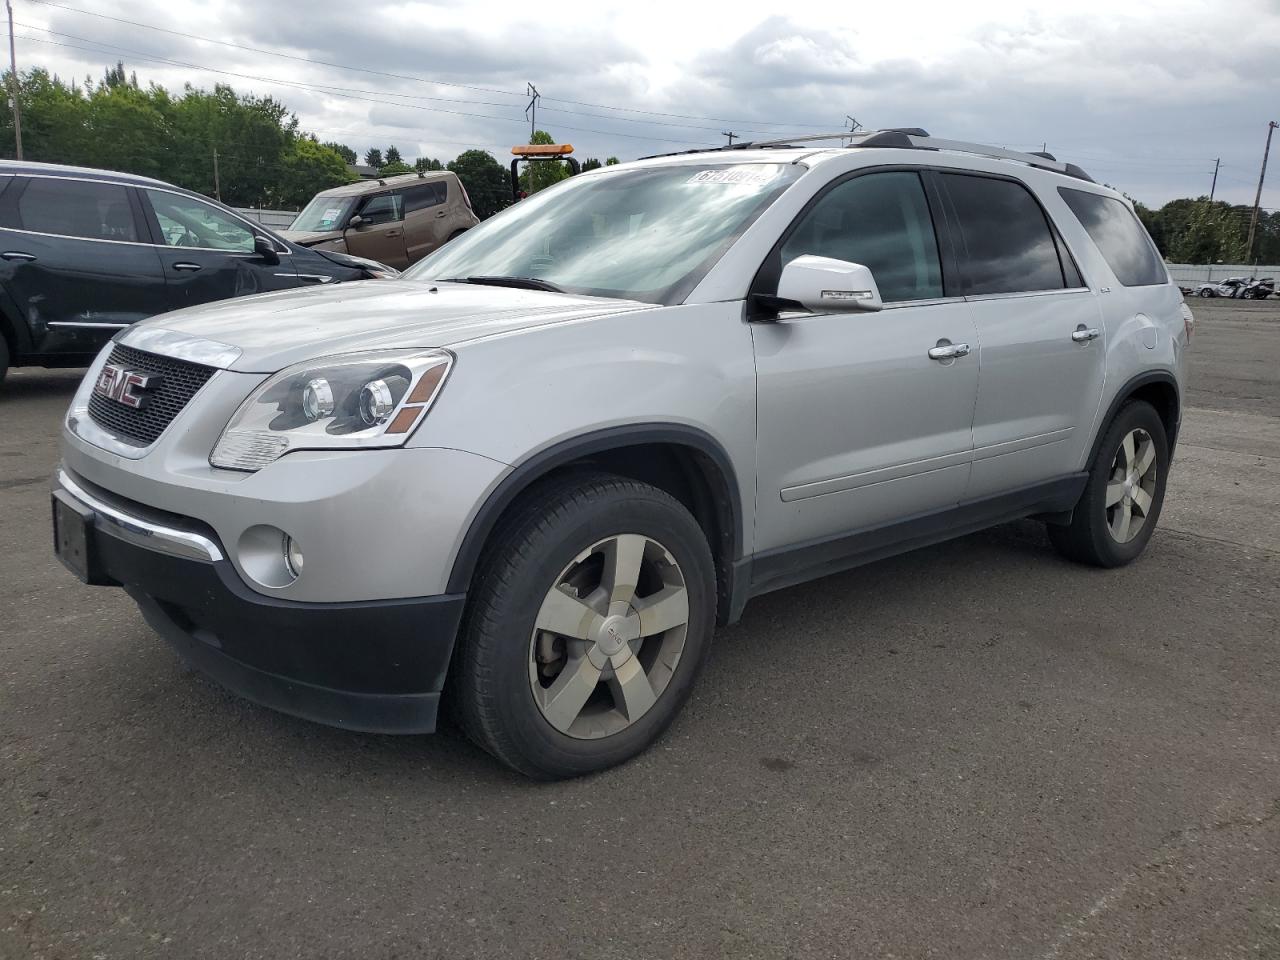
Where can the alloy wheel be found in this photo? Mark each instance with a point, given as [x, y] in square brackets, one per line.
[608, 636]
[1132, 485]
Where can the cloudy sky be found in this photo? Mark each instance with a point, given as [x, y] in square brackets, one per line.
[1143, 95]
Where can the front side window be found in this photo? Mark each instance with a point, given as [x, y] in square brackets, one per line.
[1006, 243]
[647, 233]
[384, 208]
[187, 222]
[882, 221]
[77, 208]
[1119, 236]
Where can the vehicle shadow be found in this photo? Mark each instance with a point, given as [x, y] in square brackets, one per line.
[36, 383]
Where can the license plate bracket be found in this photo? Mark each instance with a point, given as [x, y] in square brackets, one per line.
[73, 539]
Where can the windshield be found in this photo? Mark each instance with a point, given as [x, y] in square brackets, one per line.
[643, 234]
[323, 214]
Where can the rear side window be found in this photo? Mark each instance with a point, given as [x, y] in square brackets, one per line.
[1005, 235]
[427, 195]
[1119, 236]
[77, 208]
[882, 221]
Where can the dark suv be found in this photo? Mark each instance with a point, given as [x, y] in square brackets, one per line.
[84, 253]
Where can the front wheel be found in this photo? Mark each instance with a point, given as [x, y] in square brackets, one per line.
[1206, 293]
[1118, 510]
[588, 623]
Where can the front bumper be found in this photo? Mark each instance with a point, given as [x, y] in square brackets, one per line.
[374, 666]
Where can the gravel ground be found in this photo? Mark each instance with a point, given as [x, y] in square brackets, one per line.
[974, 750]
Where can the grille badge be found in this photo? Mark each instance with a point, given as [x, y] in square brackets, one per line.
[130, 387]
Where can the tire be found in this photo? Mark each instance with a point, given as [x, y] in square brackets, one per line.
[1206, 293]
[553, 704]
[1098, 533]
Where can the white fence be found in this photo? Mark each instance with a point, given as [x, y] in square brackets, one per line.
[275, 219]
[1189, 273]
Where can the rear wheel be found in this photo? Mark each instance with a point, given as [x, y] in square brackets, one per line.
[588, 623]
[1118, 510]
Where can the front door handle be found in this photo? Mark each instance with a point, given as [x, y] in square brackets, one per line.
[394, 233]
[440, 214]
[1083, 334]
[946, 350]
[17, 255]
[185, 265]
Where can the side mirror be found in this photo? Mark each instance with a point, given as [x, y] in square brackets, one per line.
[265, 247]
[354, 222]
[825, 285]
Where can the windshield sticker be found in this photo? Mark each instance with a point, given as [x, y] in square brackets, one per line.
[755, 173]
[330, 216]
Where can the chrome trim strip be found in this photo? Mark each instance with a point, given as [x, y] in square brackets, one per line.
[978, 298]
[318, 277]
[1005, 447]
[143, 533]
[181, 346]
[900, 471]
[88, 326]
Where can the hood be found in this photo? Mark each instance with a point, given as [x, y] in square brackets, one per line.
[307, 238]
[264, 333]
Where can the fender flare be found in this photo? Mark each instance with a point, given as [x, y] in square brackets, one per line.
[549, 458]
[1124, 394]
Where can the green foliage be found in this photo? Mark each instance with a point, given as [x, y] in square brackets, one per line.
[1211, 231]
[423, 164]
[117, 124]
[373, 157]
[591, 163]
[540, 174]
[612, 161]
[394, 169]
[345, 152]
[393, 156]
[487, 181]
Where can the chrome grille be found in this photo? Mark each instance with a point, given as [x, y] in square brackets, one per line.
[180, 379]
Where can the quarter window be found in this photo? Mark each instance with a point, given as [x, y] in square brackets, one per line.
[1119, 235]
[187, 222]
[882, 221]
[77, 208]
[1007, 244]
[384, 208]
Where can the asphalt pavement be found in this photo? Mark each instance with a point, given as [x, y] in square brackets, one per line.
[974, 750]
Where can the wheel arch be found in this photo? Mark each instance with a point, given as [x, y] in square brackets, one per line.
[1158, 388]
[684, 461]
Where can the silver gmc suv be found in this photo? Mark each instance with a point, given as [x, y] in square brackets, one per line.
[531, 476]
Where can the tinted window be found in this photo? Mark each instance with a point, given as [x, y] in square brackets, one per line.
[77, 208]
[881, 221]
[1006, 236]
[186, 222]
[384, 208]
[427, 195]
[1119, 235]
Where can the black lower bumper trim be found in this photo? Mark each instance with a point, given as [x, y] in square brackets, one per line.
[375, 666]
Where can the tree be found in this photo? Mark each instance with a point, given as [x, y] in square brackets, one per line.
[540, 174]
[393, 155]
[346, 153]
[612, 161]
[591, 163]
[423, 164]
[373, 157]
[392, 169]
[308, 168]
[488, 182]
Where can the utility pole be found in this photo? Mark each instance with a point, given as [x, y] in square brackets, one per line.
[1213, 188]
[1257, 200]
[531, 111]
[730, 134]
[13, 85]
[217, 186]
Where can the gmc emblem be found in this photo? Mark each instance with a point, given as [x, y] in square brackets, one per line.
[125, 386]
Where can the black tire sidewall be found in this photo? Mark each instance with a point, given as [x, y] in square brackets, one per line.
[1138, 414]
[546, 550]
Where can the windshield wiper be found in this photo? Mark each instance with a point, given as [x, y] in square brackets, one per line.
[521, 283]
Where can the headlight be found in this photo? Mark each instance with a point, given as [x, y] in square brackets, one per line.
[358, 400]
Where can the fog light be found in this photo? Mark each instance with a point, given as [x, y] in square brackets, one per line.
[292, 556]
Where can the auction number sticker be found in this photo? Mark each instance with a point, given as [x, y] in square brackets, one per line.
[748, 173]
[331, 215]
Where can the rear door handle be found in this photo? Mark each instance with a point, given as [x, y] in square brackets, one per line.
[184, 265]
[946, 350]
[1083, 334]
[441, 213]
[393, 233]
[17, 255]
